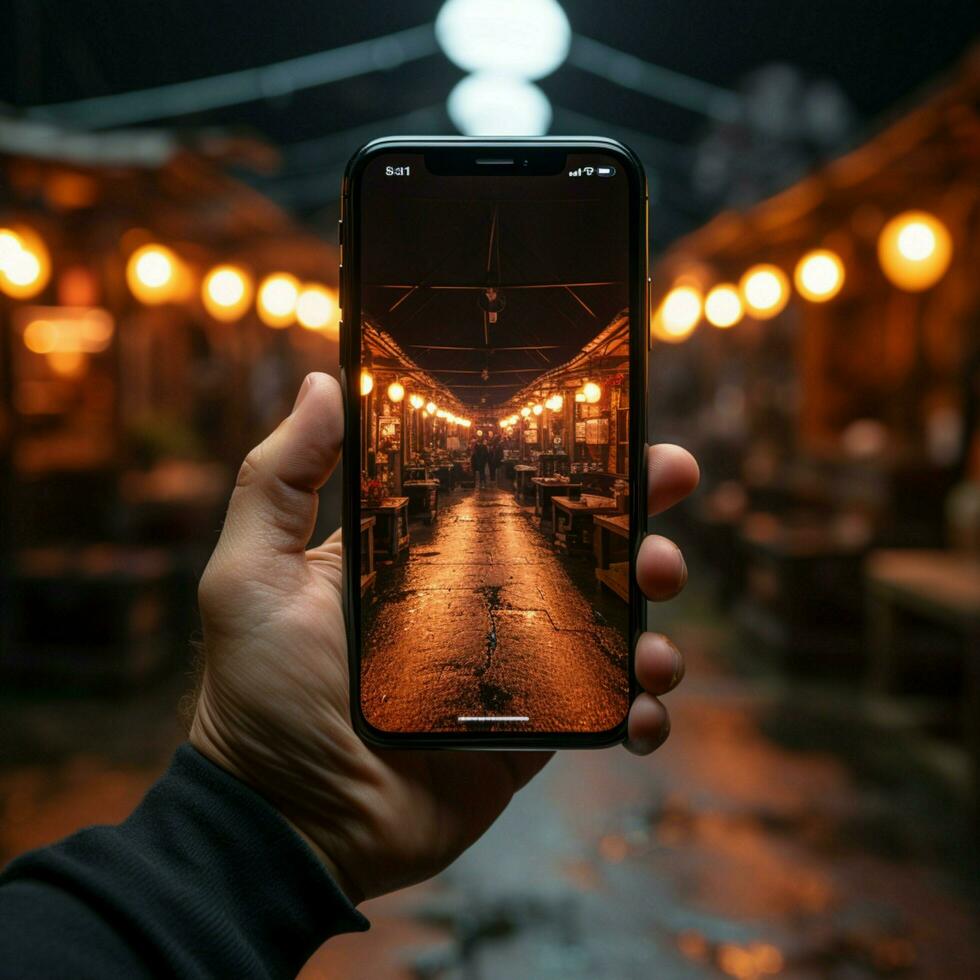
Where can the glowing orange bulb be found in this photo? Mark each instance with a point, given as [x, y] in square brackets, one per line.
[723, 306]
[915, 250]
[819, 275]
[765, 290]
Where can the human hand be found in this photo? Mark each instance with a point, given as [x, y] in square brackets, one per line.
[273, 707]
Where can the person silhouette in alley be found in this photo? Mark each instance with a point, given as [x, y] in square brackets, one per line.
[479, 460]
[496, 457]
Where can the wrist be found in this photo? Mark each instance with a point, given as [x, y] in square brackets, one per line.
[204, 740]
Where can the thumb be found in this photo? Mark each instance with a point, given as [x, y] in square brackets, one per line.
[273, 505]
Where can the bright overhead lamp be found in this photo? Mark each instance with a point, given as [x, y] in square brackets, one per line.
[226, 292]
[521, 38]
[915, 250]
[498, 105]
[277, 299]
[819, 275]
[723, 306]
[765, 290]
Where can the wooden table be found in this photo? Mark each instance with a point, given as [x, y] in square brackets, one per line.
[546, 487]
[391, 538]
[802, 599]
[614, 575]
[573, 520]
[444, 473]
[367, 554]
[415, 473]
[522, 480]
[943, 586]
[423, 498]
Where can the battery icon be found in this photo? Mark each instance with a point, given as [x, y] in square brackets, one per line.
[606, 171]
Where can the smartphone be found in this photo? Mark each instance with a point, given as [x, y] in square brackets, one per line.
[494, 362]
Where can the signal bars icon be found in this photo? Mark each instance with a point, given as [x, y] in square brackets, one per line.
[589, 171]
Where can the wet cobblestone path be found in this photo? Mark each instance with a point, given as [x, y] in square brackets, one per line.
[485, 619]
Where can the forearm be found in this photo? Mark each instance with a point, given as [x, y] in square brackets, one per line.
[204, 879]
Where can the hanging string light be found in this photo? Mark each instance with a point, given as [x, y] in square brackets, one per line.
[25, 264]
[277, 299]
[396, 392]
[915, 249]
[819, 275]
[152, 274]
[416, 401]
[723, 306]
[226, 292]
[592, 392]
[765, 290]
[316, 308]
[367, 383]
[681, 311]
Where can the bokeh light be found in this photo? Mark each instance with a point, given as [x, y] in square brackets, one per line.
[316, 308]
[498, 105]
[521, 38]
[723, 306]
[765, 290]
[819, 275]
[152, 273]
[277, 299]
[915, 249]
[227, 292]
[25, 263]
[681, 311]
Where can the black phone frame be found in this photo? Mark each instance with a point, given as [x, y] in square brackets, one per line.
[540, 153]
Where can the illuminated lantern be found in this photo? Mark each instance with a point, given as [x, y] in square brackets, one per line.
[367, 383]
[25, 264]
[316, 307]
[396, 392]
[681, 311]
[537, 409]
[915, 250]
[525, 411]
[416, 401]
[226, 292]
[765, 291]
[592, 392]
[819, 275]
[152, 274]
[277, 298]
[431, 408]
[723, 306]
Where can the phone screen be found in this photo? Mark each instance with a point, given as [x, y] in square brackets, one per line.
[494, 445]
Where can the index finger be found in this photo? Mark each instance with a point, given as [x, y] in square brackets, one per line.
[672, 473]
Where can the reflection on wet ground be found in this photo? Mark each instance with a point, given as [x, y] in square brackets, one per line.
[776, 834]
[485, 619]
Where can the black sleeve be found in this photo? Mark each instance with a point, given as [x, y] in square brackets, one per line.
[204, 879]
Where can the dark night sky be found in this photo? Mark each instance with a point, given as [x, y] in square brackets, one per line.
[880, 51]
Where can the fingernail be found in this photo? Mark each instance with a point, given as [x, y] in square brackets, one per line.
[675, 677]
[683, 579]
[304, 390]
